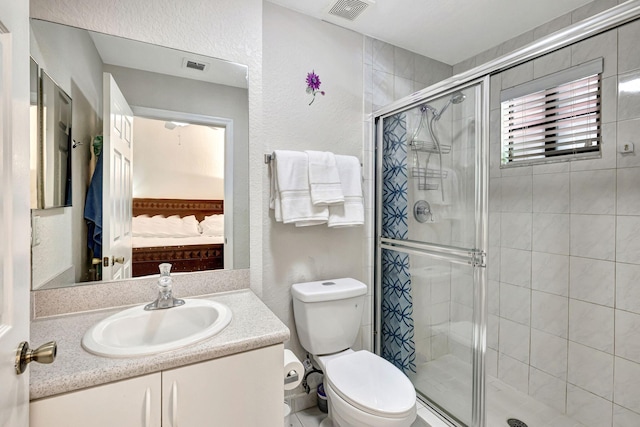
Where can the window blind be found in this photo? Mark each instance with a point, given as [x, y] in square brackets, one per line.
[555, 118]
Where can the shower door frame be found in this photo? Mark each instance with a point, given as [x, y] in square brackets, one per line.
[476, 257]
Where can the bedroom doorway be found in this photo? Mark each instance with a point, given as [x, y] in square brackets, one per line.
[199, 152]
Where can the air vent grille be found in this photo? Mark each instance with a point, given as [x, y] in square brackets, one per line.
[196, 65]
[348, 9]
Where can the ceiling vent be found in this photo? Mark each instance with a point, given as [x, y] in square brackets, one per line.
[349, 9]
[194, 65]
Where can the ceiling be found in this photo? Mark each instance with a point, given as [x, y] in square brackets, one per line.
[158, 59]
[145, 56]
[446, 30]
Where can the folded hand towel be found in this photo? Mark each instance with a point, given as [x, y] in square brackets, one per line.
[292, 180]
[351, 213]
[324, 179]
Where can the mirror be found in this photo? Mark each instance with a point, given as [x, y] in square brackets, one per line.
[50, 141]
[174, 190]
[54, 172]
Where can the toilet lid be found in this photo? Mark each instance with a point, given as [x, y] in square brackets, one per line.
[371, 384]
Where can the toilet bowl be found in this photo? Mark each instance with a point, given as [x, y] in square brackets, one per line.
[363, 389]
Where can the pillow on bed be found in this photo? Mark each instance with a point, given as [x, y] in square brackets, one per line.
[213, 225]
[174, 226]
[159, 226]
[140, 225]
[191, 221]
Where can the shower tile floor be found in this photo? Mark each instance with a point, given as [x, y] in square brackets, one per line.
[448, 378]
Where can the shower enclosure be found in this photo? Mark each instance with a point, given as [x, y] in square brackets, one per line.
[431, 225]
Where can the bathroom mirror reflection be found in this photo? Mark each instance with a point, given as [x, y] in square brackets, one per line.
[54, 173]
[159, 175]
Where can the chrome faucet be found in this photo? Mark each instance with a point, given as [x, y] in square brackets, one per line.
[165, 296]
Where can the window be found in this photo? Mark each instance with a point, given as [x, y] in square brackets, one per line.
[554, 118]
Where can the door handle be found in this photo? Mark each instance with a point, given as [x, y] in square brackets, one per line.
[46, 353]
[117, 260]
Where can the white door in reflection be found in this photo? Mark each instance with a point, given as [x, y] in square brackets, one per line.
[117, 184]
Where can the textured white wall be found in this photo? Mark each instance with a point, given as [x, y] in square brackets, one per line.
[185, 162]
[294, 45]
[225, 29]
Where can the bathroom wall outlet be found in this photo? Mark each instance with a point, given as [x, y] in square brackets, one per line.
[626, 148]
[35, 231]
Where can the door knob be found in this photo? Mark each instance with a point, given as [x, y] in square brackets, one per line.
[118, 260]
[46, 353]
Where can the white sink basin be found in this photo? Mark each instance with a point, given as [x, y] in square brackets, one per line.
[136, 332]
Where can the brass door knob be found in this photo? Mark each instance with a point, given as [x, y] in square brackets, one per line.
[46, 353]
[118, 260]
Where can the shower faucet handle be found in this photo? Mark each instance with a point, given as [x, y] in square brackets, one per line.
[422, 211]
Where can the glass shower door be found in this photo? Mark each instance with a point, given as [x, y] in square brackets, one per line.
[431, 245]
[431, 337]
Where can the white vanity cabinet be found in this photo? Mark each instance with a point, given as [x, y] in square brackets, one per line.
[243, 390]
[129, 403]
[240, 390]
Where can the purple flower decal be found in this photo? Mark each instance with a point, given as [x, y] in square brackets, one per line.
[313, 85]
[313, 81]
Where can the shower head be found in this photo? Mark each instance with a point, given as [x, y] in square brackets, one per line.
[456, 98]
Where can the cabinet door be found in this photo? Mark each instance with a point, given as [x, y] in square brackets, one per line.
[129, 403]
[242, 390]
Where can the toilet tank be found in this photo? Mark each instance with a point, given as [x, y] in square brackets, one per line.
[328, 313]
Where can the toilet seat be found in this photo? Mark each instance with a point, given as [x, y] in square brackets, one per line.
[371, 384]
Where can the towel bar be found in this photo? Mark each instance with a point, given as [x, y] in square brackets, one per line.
[270, 156]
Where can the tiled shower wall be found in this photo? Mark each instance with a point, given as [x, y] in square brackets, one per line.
[564, 255]
[390, 73]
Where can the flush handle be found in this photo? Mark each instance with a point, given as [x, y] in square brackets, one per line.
[46, 353]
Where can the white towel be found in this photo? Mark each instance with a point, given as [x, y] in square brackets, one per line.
[351, 213]
[324, 179]
[292, 190]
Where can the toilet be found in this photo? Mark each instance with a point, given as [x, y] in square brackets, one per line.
[363, 389]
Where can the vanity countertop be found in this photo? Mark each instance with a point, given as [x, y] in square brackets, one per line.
[253, 326]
